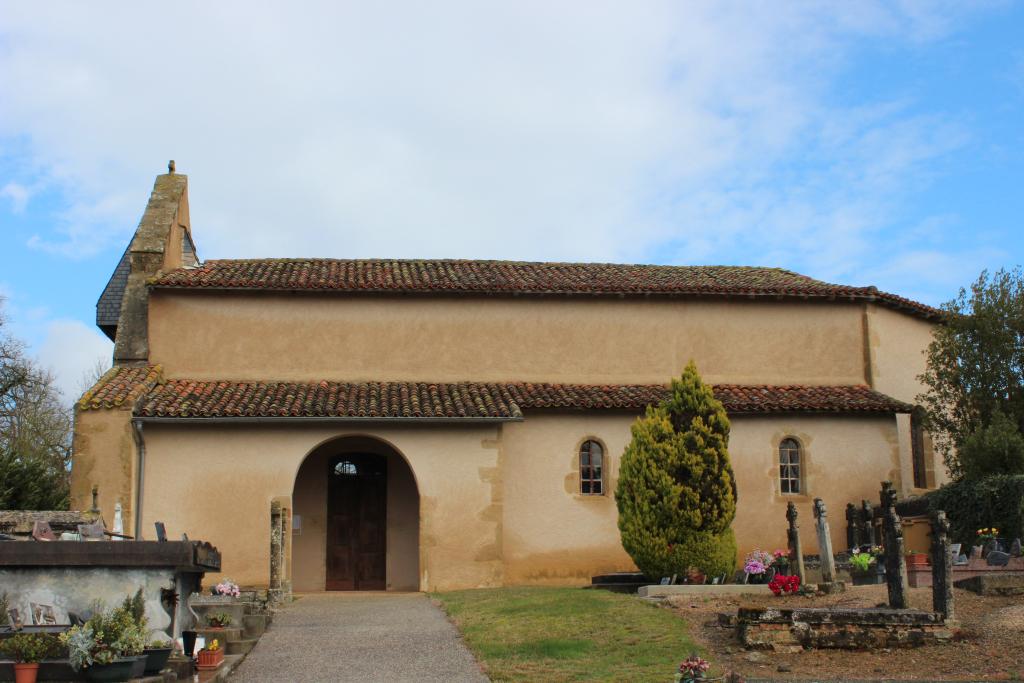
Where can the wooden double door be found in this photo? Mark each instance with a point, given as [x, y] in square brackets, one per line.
[357, 522]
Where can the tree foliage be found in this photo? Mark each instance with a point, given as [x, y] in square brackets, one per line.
[676, 493]
[975, 367]
[35, 434]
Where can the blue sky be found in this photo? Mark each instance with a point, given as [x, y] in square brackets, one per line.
[863, 143]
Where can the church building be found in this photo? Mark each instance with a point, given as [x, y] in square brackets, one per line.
[444, 424]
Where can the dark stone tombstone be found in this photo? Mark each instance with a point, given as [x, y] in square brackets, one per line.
[942, 567]
[991, 546]
[853, 525]
[796, 551]
[867, 519]
[892, 540]
[997, 558]
[1015, 548]
[161, 532]
[41, 531]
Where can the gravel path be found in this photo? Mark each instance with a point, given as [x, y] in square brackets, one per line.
[360, 637]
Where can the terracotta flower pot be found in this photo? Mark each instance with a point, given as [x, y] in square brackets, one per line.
[917, 560]
[25, 672]
[210, 659]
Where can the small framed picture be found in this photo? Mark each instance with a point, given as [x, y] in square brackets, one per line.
[14, 618]
[42, 615]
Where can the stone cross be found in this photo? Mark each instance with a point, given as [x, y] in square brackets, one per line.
[853, 525]
[942, 567]
[828, 561]
[796, 551]
[867, 520]
[892, 535]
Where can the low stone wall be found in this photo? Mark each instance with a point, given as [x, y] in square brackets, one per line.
[921, 577]
[994, 584]
[851, 629]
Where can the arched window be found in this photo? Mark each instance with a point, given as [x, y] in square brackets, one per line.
[591, 464]
[789, 466]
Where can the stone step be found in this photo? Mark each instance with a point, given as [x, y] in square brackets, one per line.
[254, 625]
[224, 635]
[241, 647]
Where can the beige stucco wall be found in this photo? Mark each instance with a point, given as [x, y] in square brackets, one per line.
[309, 559]
[310, 337]
[104, 456]
[553, 534]
[897, 344]
[216, 483]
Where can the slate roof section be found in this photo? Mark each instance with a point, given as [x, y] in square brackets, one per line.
[108, 306]
[181, 398]
[511, 278]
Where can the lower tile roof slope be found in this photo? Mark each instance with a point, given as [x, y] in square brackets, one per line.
[183, 398]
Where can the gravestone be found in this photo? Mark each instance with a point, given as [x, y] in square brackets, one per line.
[942, 567]
[1015, 548]
[41, 531]
[274, 593]
[997, 558]
[975, 552]
[796, 551]
[828, 561]
[991, 546]
[867, 520]
[892, 535]
[853, 525]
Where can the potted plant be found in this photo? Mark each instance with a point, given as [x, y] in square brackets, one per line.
[27, 650]
[211, 656]
[108, 647]
[218, 619]
[985, 538]
[866, 568]
[226, 587]
[157, 653]
[757, 567]
[916, 559]
[780, 562]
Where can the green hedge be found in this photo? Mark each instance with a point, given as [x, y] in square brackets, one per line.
[971, 505]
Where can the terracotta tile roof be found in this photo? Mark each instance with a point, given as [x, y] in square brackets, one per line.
[517, 278]
[120, 386]
[180, 398]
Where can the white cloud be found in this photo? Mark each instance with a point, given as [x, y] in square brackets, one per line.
[72, 349]
[674, 131]
[18, 195]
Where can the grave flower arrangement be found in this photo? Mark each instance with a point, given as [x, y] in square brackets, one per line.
[780, 560]
[987, 534]
[693, 668]
[861, 561]
[784, 584]
[757, 564]
[104, 638]
[211, 656]
[227, 587]
[218, 619]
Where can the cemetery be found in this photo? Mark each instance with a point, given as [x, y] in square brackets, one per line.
[81, 602]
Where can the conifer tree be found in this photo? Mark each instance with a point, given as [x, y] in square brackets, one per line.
[676, 493]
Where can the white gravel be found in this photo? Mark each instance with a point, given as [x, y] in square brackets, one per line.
[360, 637]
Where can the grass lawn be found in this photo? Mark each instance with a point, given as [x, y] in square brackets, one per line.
[568, 634]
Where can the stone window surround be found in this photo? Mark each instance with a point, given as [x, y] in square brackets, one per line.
[604, 467]
[801, 466]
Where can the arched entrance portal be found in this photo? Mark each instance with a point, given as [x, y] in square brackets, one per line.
[357, 526]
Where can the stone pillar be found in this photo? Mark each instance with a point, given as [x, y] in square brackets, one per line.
[942, 567]
[276, 552]
[796, 551]
[892, 535]
[853, 525]
[867, 531]
[828, 561]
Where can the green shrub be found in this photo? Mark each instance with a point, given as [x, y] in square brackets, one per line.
[995, 449]
[996, 501]
[676, 494]
[30, 648]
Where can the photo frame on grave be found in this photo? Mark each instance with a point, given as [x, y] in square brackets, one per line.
[161, 532]
[42, 615]
[41, 531]
[665, 580]
[91, 532]
[14, 618]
